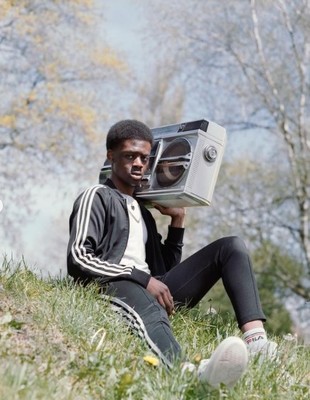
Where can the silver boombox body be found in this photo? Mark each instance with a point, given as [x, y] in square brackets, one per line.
[184, 164]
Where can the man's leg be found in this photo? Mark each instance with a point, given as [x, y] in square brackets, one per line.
[149, 320]
[146, 317]
[226, 258]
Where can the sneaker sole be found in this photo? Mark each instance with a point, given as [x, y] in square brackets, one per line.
[227, 363]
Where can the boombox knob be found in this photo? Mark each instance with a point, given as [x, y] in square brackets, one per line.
[210, 153]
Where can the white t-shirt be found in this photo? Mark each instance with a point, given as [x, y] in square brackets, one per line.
[135, 251]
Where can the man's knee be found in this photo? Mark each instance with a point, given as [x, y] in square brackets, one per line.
[234, 243]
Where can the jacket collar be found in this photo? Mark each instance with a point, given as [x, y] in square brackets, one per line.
[111, 185]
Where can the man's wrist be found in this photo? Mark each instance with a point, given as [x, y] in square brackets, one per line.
[177, 221]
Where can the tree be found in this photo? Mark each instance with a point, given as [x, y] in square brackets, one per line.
[235, 54]
[161, 98]
[245, 65]
[56, 73]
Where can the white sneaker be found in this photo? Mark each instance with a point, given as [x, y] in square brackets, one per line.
[268, 351]
[226, 365]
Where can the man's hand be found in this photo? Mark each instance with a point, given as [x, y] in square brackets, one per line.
[162, 294]
[177, 214]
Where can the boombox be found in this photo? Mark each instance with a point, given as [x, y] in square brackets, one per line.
[184, 164]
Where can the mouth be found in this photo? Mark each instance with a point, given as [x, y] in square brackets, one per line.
[136, 175]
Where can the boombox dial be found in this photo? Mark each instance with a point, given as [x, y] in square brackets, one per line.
[210, 153]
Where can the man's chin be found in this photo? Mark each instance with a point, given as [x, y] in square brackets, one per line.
[135, 184]
[136, 180]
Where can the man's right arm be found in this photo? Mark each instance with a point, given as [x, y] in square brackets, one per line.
[87, 228]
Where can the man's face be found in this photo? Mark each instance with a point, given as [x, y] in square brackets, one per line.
[129, 163]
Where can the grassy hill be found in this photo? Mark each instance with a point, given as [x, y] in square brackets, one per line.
[60, 341]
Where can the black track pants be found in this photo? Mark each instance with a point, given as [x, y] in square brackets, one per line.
[189, 281]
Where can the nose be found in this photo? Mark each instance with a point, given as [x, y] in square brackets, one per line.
[138, 161]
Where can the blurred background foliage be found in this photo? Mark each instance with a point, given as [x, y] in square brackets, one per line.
[64, 80]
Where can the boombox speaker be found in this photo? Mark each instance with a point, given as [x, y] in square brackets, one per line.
[184, 164]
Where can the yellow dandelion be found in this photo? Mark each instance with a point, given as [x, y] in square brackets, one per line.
[151, 360]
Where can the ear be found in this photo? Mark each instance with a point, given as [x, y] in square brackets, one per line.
[110, 155]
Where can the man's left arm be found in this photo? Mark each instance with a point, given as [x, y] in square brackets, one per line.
[172, 247]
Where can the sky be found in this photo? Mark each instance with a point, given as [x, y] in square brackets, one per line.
[123, 24]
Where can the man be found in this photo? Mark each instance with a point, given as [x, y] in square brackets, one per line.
[114, 241]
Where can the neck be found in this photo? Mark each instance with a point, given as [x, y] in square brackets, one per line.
[125, 189]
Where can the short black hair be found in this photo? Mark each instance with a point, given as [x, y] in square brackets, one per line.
[128, 129]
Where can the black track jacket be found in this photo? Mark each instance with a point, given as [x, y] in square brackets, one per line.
[99, 228]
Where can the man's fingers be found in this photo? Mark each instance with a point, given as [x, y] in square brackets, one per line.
[166, 303]
[161, 302]
[162, 293]
[169, 304]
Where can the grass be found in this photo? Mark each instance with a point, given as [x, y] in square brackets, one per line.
[60, 341]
